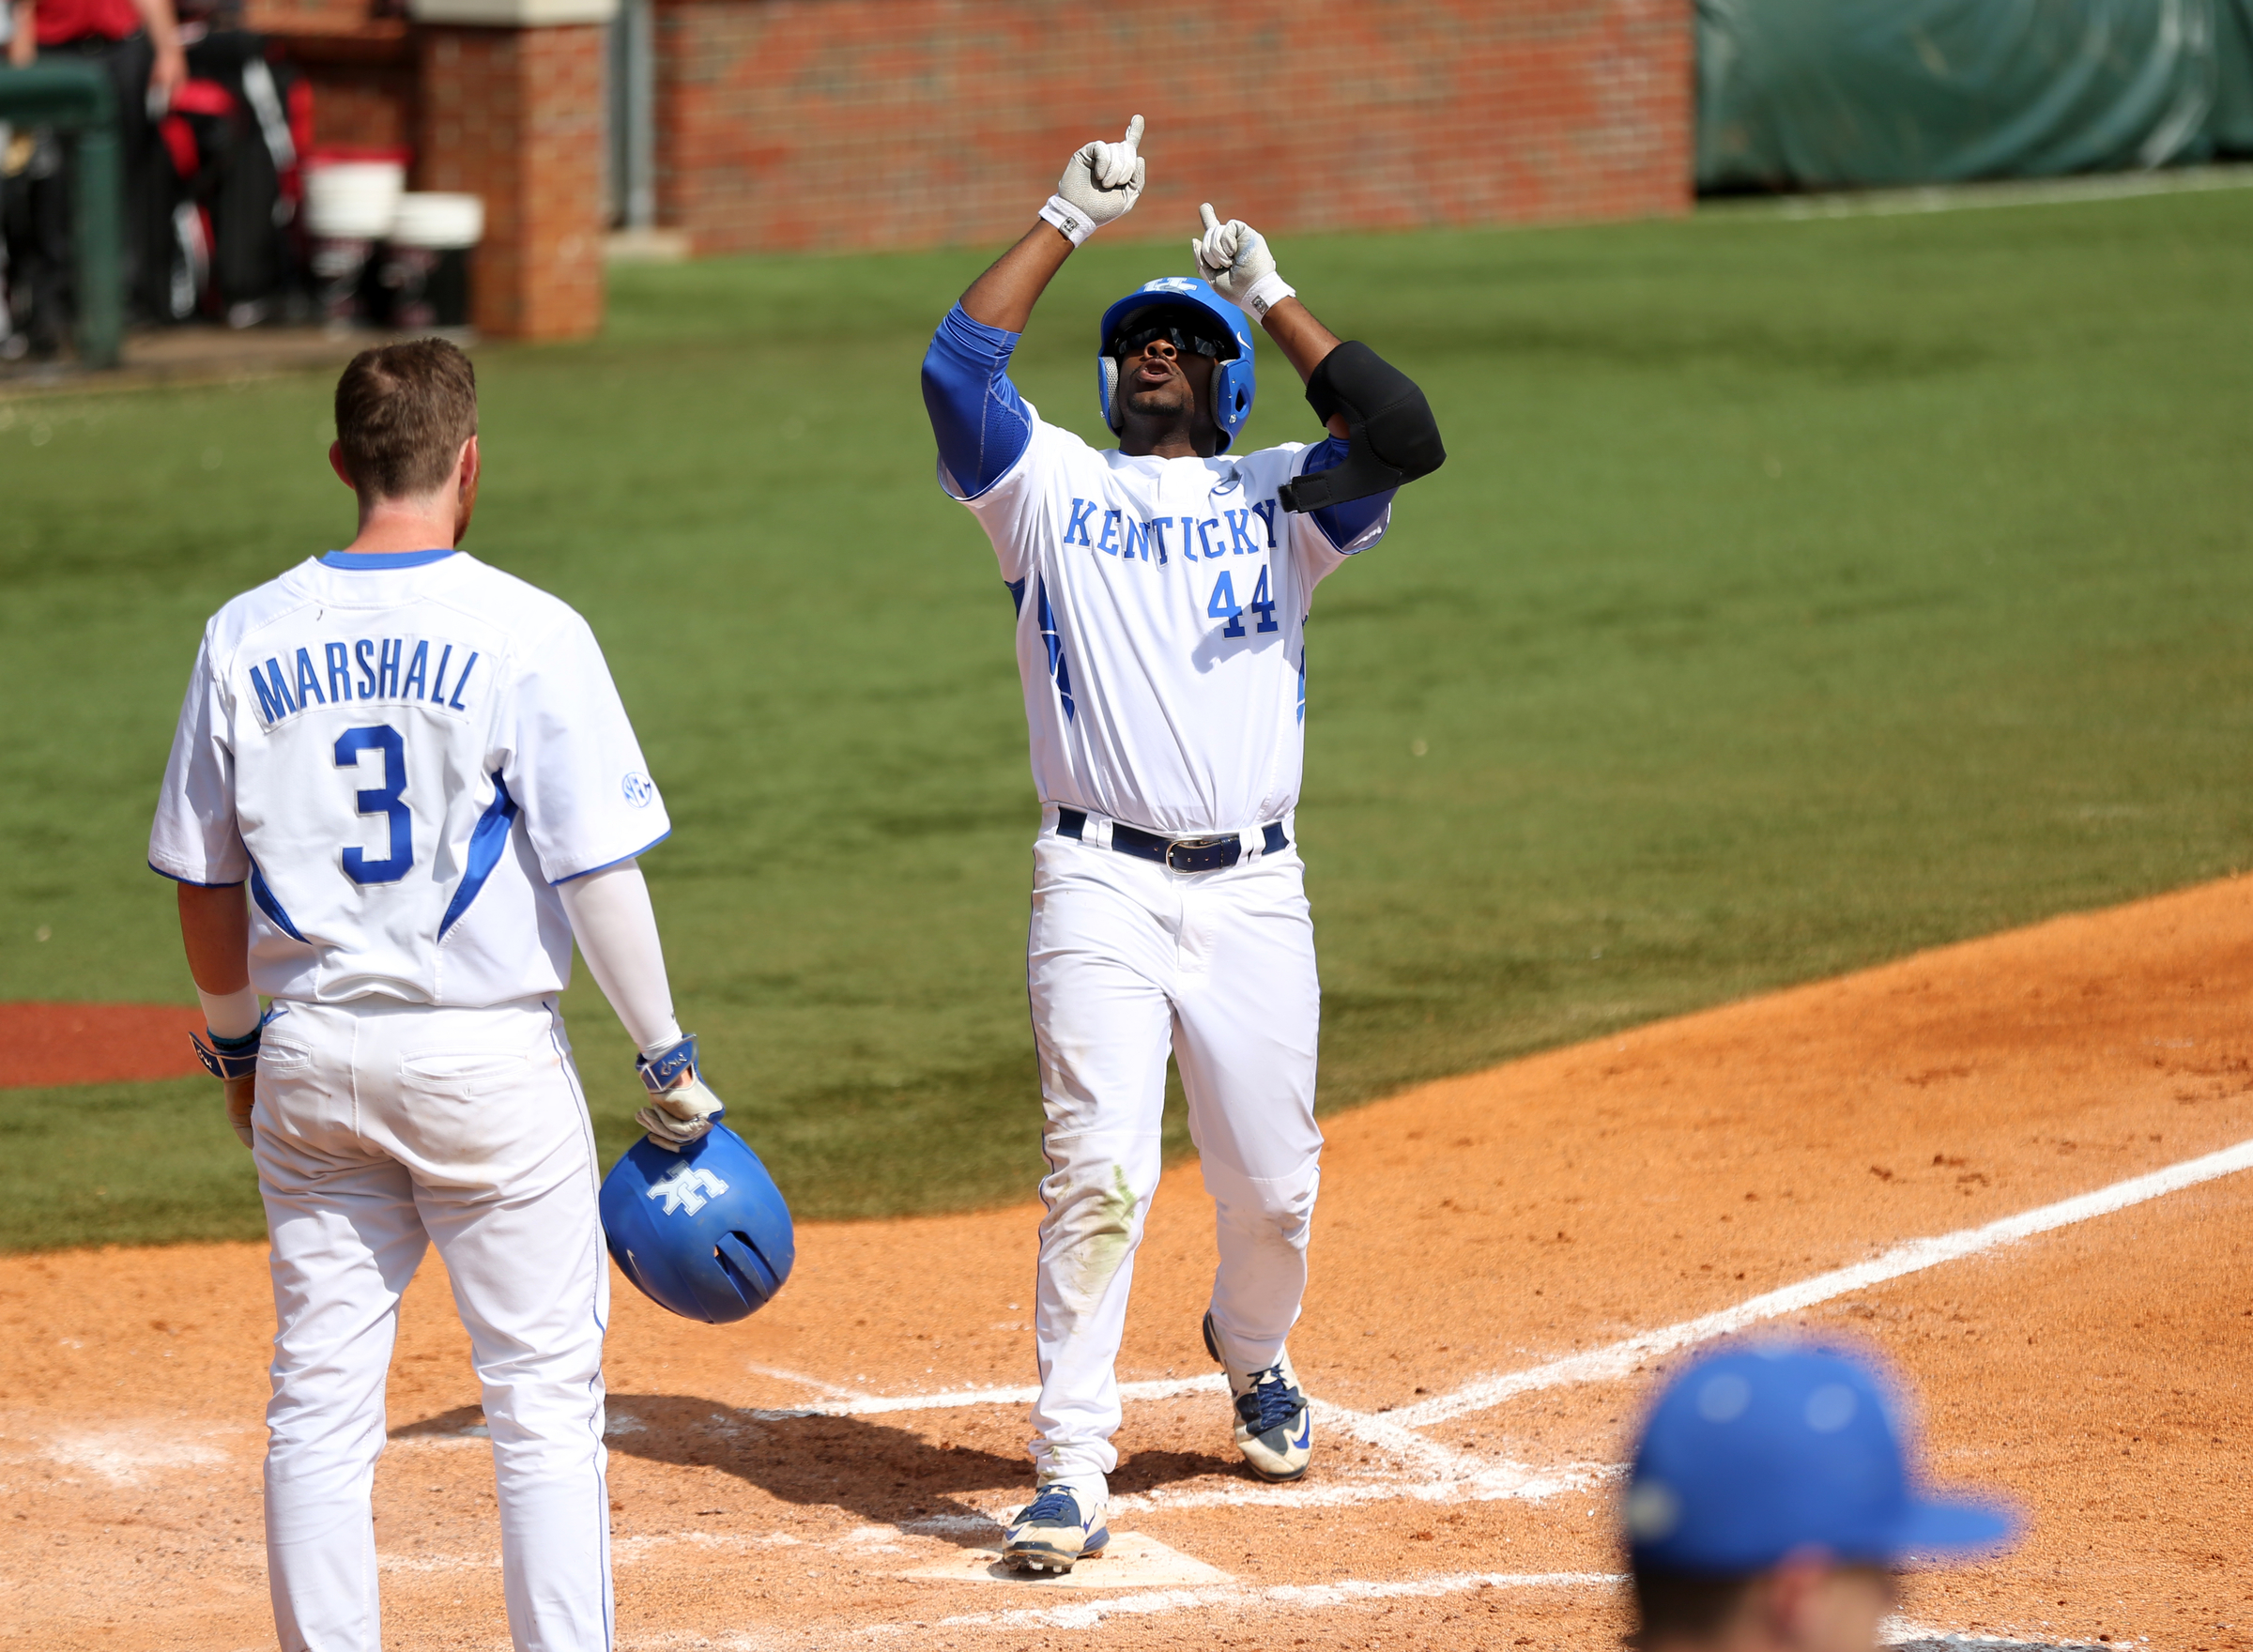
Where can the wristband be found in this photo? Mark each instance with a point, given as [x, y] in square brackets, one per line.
[675, 1064]
[1075, 225]
[1265, 292]
[228, 1058]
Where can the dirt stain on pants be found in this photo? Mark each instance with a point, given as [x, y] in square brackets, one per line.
[1102, 1225]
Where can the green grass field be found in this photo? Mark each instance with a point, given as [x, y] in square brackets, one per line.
[1798, 594]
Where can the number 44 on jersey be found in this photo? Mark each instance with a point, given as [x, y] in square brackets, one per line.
[1223, 604]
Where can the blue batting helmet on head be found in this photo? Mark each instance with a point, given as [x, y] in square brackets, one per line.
[1231, 378]
[702, 1231]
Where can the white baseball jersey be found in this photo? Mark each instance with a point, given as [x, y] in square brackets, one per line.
[1161, 627]
[402, 754]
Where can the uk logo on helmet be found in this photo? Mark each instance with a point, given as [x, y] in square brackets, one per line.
[687, 1188]
[1173, 284]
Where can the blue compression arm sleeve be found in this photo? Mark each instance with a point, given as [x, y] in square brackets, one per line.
[982, 423]
[1342, 524]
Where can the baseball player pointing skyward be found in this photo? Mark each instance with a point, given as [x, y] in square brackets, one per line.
[421, 769]
[1162, 588]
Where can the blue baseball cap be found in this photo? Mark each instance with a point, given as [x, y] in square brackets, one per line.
[1754, 1453]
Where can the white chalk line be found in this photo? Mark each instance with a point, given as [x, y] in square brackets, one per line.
[957, 1398]
[1908, 1631]
[1620, 1358]
[1088, 1613]
[1482, 1480]
[622, 1550]
[816, 1384]
[1440, 1465]
[1451, 1475]
[1441, 1472]
[724, 1641]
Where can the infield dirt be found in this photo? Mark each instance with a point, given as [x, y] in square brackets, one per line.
[2095, 1375]
[53, 1044]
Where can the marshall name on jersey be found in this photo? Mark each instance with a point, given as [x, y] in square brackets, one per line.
[1161, 626]
[402, 756]
[386, 670]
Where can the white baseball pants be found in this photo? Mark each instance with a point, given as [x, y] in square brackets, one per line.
[382, 1126]
[1125, 960]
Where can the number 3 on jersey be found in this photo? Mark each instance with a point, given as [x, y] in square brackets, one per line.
[381, 799]
[1224, 606]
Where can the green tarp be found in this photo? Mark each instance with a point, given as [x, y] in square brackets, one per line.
[1812, 94]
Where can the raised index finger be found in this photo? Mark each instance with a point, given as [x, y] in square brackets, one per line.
[1134, 133]
[1212, 221]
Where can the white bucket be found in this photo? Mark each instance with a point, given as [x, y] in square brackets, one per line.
[353, 200]
[442, 222]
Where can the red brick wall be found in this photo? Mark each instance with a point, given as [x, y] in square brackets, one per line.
[841, 123]
[274, 17]
[515, 116]
[359, 105]
[361, 67]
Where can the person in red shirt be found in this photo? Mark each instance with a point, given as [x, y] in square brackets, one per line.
[67, 23]
[138, 41]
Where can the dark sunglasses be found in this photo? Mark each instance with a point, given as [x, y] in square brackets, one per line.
[1135, 343]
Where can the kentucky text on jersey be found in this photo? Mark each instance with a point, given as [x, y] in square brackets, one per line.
[366, 668]
[1201, 538]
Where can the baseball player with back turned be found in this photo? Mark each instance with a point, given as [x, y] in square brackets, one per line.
[1162, 589]
[419, 767]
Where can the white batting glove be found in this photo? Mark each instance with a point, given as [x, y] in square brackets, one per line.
[1234, 256]
[681, 1106]
[1100, 185]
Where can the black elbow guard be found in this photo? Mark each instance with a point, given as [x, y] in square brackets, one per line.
[1392, 438]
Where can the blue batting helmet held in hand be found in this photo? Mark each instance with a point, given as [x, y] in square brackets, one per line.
[703, 1232]
[1232, 377]
[1754, 1452]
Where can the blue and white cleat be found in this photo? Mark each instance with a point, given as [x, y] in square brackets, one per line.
[1275, 1425]
[1053, 1534]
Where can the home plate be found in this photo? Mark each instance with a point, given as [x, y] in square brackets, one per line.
[1129, 1561]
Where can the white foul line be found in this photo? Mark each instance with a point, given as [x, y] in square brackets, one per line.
[1450, 1474]
[1437, 1470]
[1086, 1614]
[1620, 1358]
[1393, 1429]
[879, 1404]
